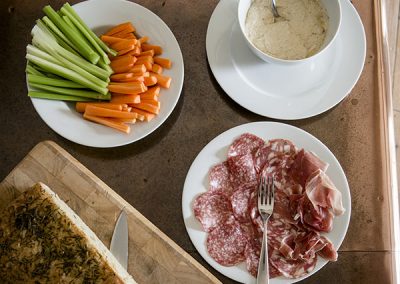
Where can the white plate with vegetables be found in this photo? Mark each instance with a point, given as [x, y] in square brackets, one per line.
[99, 16]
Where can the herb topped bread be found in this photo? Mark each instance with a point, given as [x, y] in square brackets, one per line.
[43, 241]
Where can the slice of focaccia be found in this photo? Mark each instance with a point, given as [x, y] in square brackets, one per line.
[43, 241]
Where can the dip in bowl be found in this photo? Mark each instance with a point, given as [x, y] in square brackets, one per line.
[304, 30]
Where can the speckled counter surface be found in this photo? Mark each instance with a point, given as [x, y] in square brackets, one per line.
[154, 169]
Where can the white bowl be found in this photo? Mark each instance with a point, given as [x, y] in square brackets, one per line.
[334, 12]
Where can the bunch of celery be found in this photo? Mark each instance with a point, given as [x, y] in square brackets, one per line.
[66, 60]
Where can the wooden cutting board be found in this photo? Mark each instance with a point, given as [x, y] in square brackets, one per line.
[153, 257]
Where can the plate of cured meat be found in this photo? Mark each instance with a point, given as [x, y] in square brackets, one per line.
[312, 202]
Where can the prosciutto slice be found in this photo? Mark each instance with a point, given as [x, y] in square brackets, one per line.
[305, 164]
[322, 192]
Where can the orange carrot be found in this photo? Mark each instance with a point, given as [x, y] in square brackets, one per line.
[163, 81]
[103, 112]
[147, 115]
[127, 88]
[164, 62]
[124, 120]
[124, 44]
[138, 69]
[151, 102]
[146, 74]
[121, 76]
[147, 107]
[144, 39]
[122, 64]
[126, 51]
[110, 39]
[147, 58]
[157, 68]
[150, 81]
[147, 53]
[157, 49]
[132, 79]
[150, 96]
[129, 36]
[108, 122]
[127, 26]
[152, 91]
[81, 106]
[126, 99]
[134, 52]
[147, 64]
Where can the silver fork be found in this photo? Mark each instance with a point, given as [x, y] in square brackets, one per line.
[274, 10]
[265, 207]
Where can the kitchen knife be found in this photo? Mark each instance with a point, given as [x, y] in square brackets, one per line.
[119, 240]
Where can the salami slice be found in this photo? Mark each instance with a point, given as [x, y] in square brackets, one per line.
[241, 170]
[226, 243]
[252, 254]
[240, 200]
[212, 209]
[245, 144]
[292, 268]
[219, 179]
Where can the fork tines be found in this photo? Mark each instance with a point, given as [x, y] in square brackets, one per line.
[266, 191]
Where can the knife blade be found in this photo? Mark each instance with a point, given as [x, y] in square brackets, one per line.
[119, 240]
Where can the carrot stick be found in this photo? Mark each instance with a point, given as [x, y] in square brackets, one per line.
[157, 69]
[127, 88]
[110, 39]
[147, 53]
[147, 115]
[146, 74]
[127, 99]
[121, 76]
[155, 103]
[147, 64]
[138, 69]
[108, 122]
[126, 51]
[150, 96]
[157, 49]
[81, 106]
[127, 26]
[163, 81]
[147, 58]
[124, 120]
[124, 44]
[144, 39]
[150, 81]
[129, 36]
[103, 112]
[134, 52]
[132, 79]
[147, 107]
[152, 91]
[122, 64]
[164, 62]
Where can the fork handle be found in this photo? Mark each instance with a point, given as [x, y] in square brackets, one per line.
[263, 269]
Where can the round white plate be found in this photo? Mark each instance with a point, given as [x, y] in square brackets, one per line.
[278, 91]
[216, 152]
[100, 15]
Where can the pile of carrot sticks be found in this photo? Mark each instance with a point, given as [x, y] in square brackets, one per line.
[135, 84]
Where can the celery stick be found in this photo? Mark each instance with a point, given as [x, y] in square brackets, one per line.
[84, 49]
[58, 97]
[68, 59]
[59, 40]
[56, 31]
[42, 79]
[90, 32]
[71, 92]
[31, 70]
[105, 66]
[66, 73]
[78, 25]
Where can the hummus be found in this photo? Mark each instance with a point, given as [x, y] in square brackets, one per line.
[298, 33]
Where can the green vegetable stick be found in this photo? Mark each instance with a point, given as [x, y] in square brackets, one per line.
[66, 73]
[42, 79]
[84, 49]
[93, 35]
[74, 22]
[70, 92]
[58, 97]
